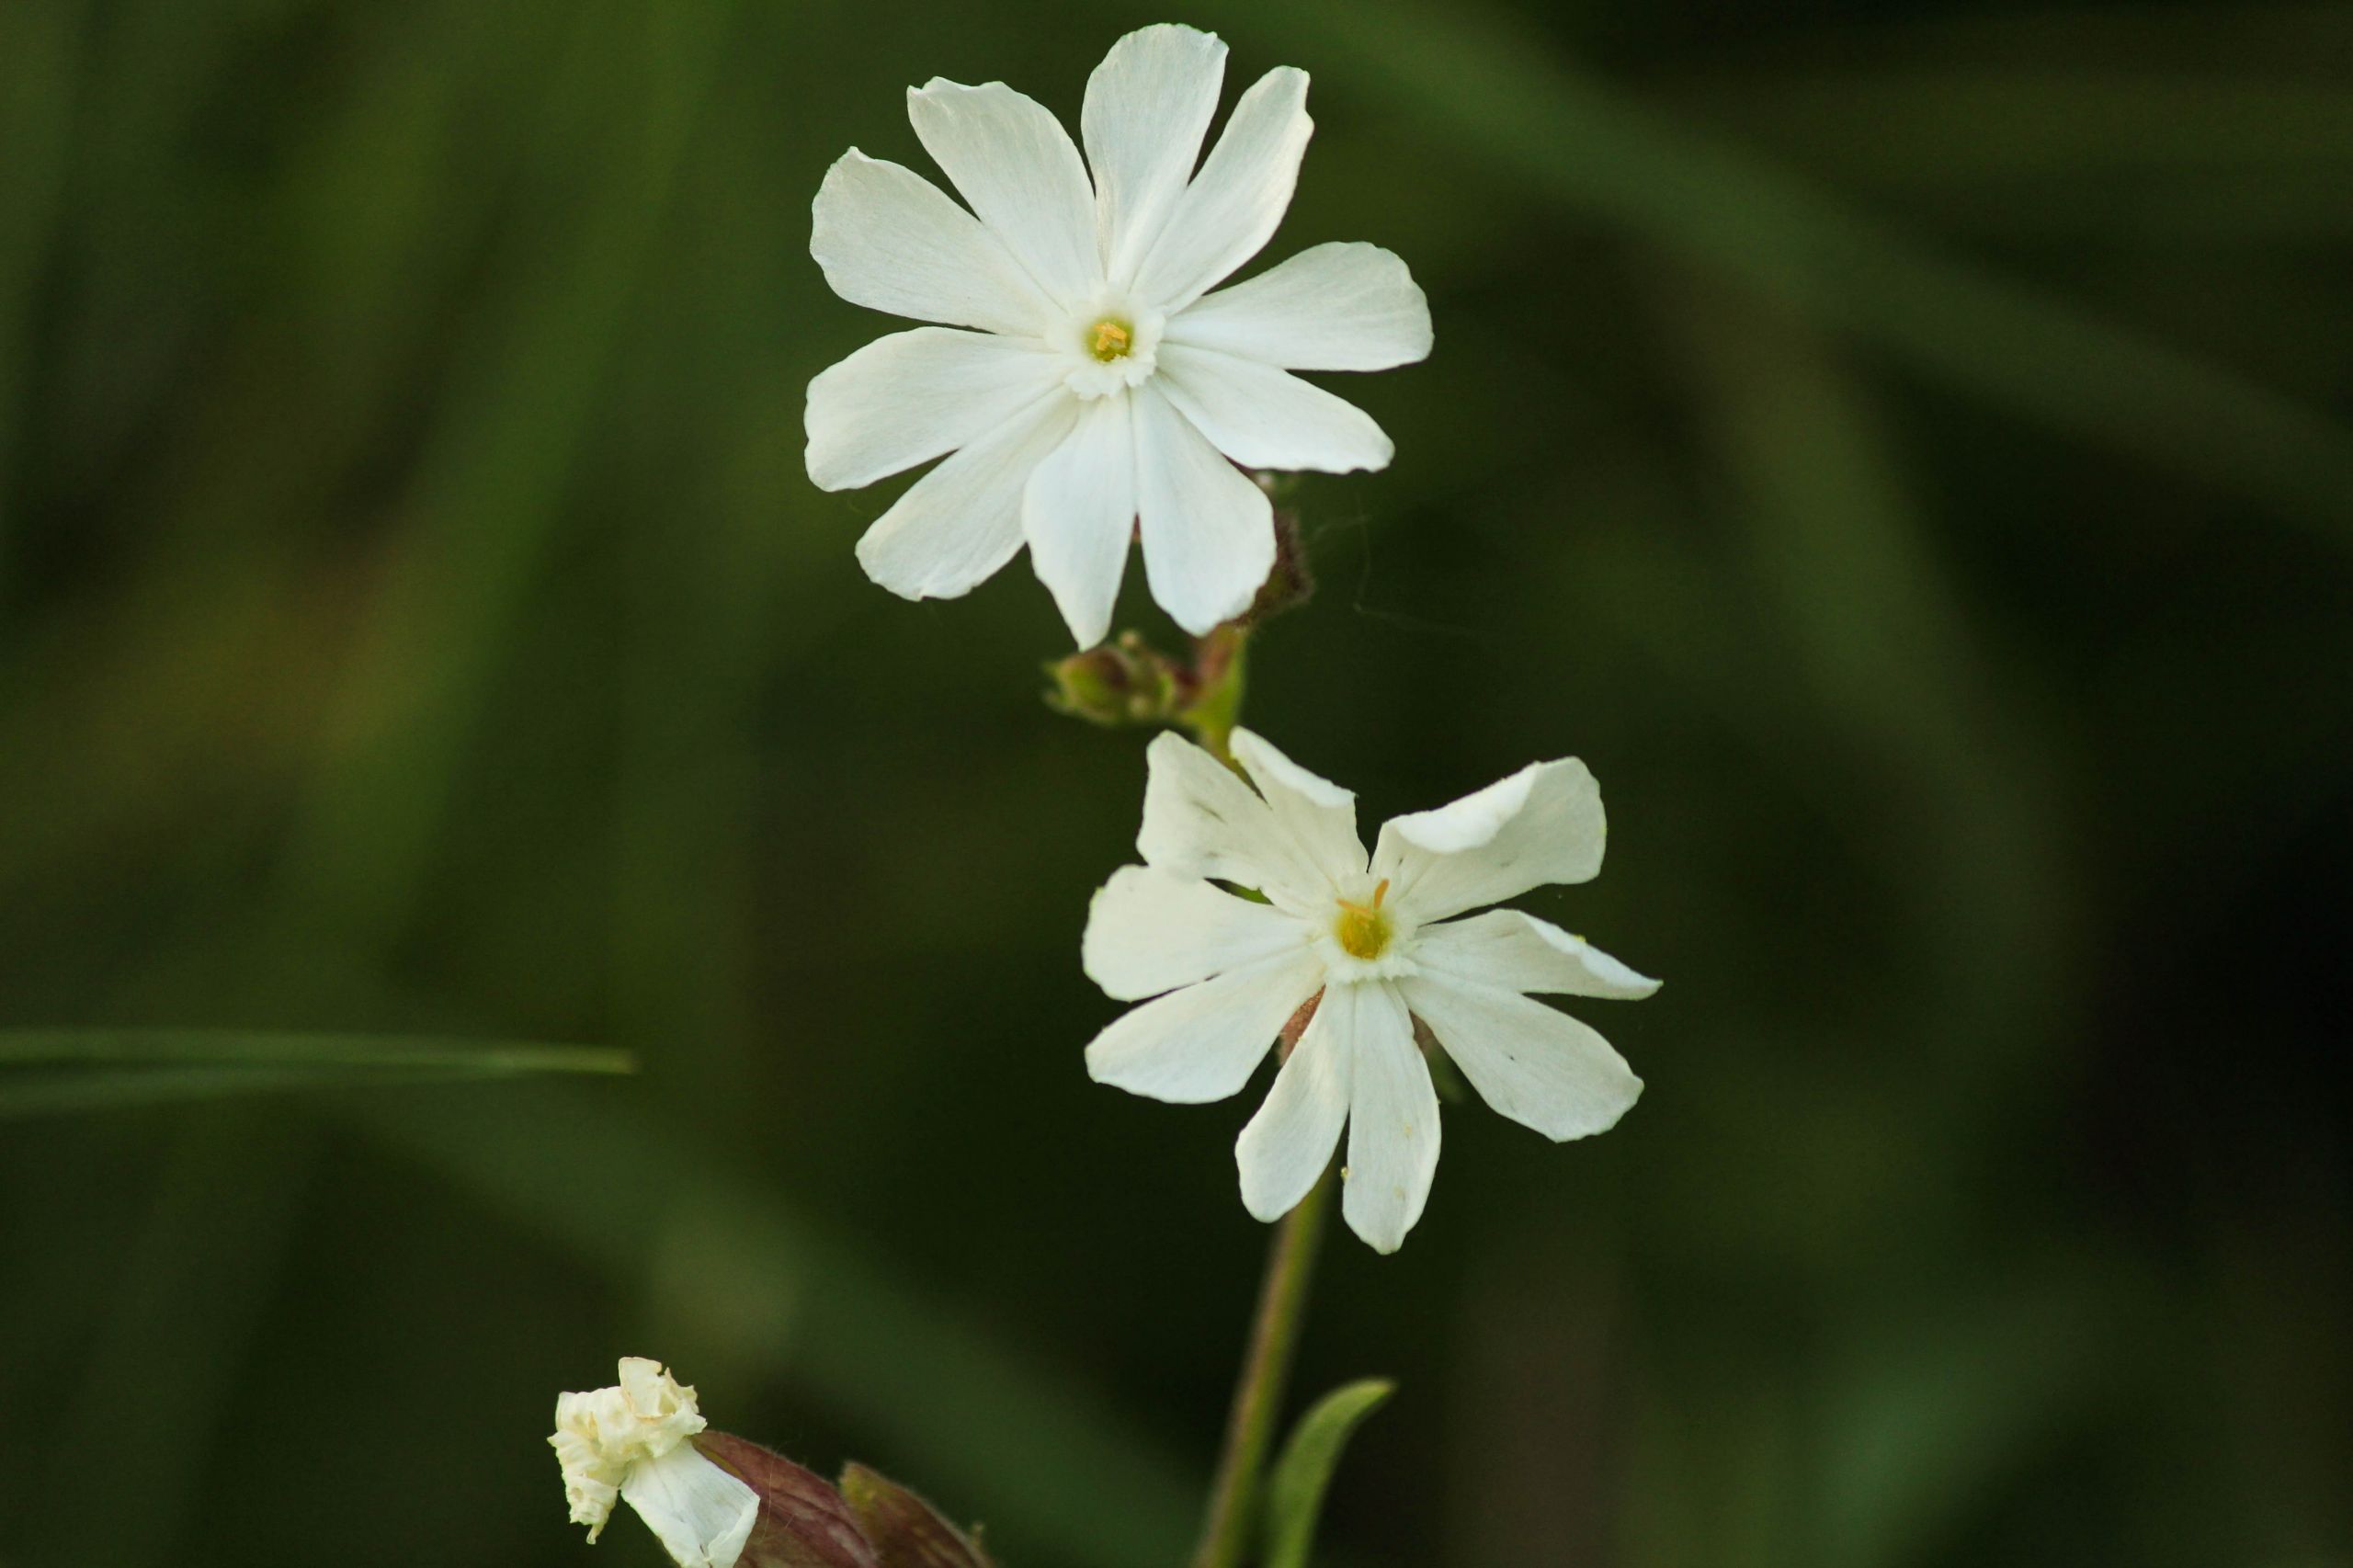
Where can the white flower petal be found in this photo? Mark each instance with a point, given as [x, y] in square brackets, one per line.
[907, 398]
[1519, 952]
[1150, 931]
[1320, 814]
[1542, 1068]
[1209, 531]
[962, 521]
[1542, 825]
[1015, 163]
[592, 1478]
[1392, 1122]
[664, 1410]
[1290, 1141]
[1263, 417]
[1202, 1042]
[602, 1435]
[699, 1511]
[1079, 512]
[891, 240]
[1148, 105]
[1201, 821]
[1344, 306]
[1233, 205]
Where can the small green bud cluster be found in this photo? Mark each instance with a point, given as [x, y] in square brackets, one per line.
[1125, 681]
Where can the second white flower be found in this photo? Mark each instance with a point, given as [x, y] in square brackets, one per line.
[1374, 945]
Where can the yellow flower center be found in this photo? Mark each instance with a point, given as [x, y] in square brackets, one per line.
[1363, 929]
[1110, 340]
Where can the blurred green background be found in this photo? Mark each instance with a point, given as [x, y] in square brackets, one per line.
[1907, 449]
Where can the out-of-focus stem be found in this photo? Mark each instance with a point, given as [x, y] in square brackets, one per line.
[1232, 1518]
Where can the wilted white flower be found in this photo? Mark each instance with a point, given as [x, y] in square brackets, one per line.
[1103, 390]
[631, 1442]
[1376, 942]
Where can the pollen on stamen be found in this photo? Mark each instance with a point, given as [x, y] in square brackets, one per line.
[1110, 340]
[1363, 929]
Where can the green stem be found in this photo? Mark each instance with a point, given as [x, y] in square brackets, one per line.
[1216, 706]
[1218, 666]
[1232, 1518]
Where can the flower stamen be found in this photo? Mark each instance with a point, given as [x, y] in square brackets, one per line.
[1110, 340]
[1363, 929]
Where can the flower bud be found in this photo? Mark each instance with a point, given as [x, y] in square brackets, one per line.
[1124, 682]
[907, 1532]
[802, 1523]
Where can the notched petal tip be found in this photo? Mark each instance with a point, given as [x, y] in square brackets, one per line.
[1260, 754]
[1099, 1069]
[1640, 987]
[1187, 28]
[1167, 749]
[1261, 1208]
[1472, 821]
[1632, 1091]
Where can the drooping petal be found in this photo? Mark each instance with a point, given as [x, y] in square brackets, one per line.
[1079, 513]
[1201, 821]
[1344, 306]
[702, 1514]
[907, 398]
[1542, 1068]
[1542, 825]
[1233, 205]
[891, 240]
[1318, 814]
[592, 1477]
[962, 521]
[1015, 164]
[1209, 531]
[1519, 952]
[1148, 105]
[1392, 1120]
[1202, 1043]
[1263, 417]
[1150, 931]
[662, 1410]
[1290, 1141]
[602, 1434]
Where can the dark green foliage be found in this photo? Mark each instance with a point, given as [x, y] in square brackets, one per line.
[1901, 448]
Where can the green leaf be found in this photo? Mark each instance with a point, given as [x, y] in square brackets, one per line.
[49, 1071]
[1295, 1492]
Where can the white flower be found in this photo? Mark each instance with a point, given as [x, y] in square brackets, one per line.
[1376, 941]
[1104, 384]
[631, 1442]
